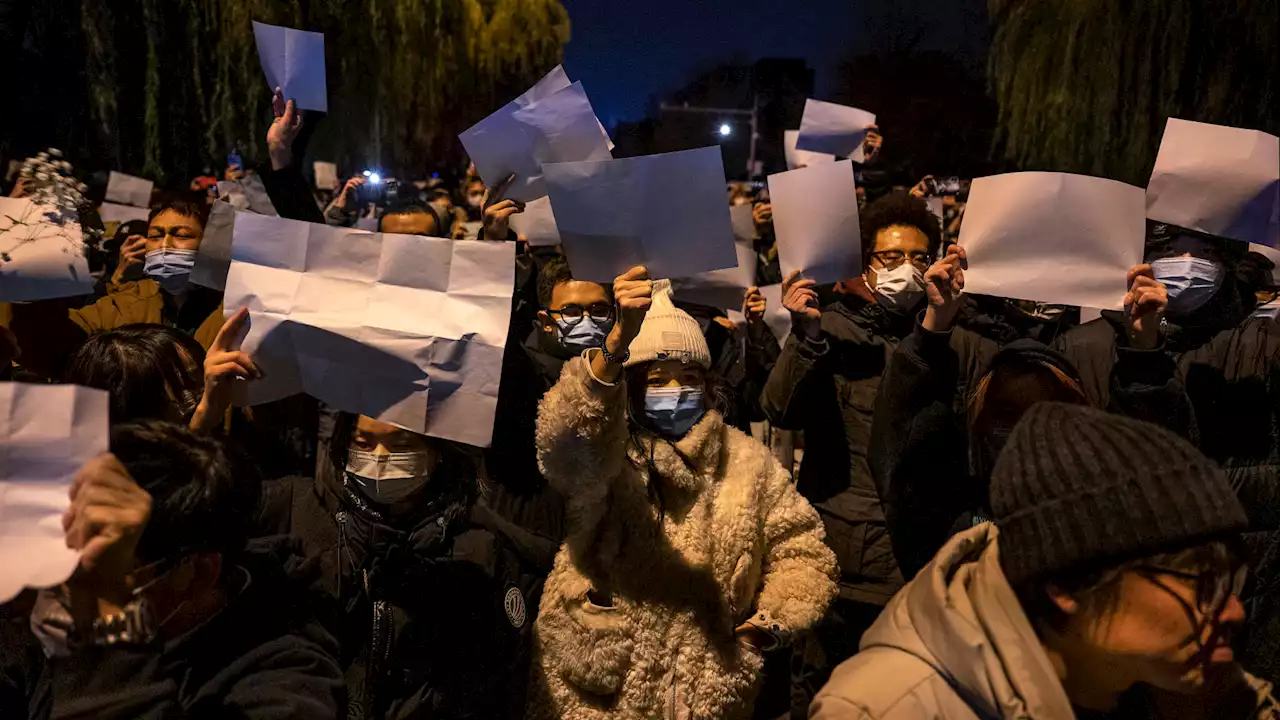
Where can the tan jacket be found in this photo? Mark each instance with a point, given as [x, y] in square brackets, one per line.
[637, 618]
[955, 644]
[48, 332]
[138, 302]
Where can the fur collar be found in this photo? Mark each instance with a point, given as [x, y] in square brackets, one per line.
[683, 463]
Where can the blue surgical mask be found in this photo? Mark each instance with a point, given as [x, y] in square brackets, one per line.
[584, 334]
[170, 267]
[672, 411]
[1191, 281]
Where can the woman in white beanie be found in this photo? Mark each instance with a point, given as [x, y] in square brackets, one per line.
[689, 551]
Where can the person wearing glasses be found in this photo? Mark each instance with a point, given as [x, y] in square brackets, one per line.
[573, 316]
[825, 383]
[1108, 586]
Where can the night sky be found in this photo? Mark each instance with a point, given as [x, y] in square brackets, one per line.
[626, 51]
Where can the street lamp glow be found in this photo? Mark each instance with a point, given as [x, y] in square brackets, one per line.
[725, 130]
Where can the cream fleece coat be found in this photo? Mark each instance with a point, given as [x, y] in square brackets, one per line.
[637, 619]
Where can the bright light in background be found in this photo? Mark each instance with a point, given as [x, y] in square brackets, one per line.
[725, 130]
[367, 173]
[375, 178]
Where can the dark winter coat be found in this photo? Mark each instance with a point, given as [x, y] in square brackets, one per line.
[827, 388]
[435, 612]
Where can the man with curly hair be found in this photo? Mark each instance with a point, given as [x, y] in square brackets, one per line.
[825, 383]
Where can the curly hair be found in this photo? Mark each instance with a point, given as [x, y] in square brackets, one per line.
[898, 209]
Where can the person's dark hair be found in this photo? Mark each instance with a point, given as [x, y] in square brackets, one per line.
[556, 272]
[184, 207]
[1096, 586]
[414, 207]
[898, 209]
[148, 370]
[201, 499]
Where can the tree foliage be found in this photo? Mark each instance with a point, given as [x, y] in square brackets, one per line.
[1087, 85]
[173, 85]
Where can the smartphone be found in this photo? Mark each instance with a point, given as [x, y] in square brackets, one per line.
[233, 159]
[949, 186]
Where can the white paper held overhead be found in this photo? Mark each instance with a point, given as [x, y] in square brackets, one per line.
[41, 253]
[797, 158]
[560, 127]
[113, 213]
[326, 175]
[129, 190]
[815, 218]
[1053, 238]
[403, 328]
[724, 289]
[667, 212]
[834, 129]
[293, 60]
[1218, 180]
[46, 433]
[537, 224]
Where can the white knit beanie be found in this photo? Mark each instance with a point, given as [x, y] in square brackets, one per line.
[668, 333]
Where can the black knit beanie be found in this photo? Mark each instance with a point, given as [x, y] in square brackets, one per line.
[1075, 485]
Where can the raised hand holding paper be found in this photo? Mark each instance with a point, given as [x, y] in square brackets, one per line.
[797, 158]
[666, 212]
[423, 319]
[128, 189]
[520, 138]
[815, 218]
[1053, 238]
[293, 60]
[41, 253]
[46, 433]
[834, 129]
[1218, 180]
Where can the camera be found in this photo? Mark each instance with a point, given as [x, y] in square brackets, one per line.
[378, 190]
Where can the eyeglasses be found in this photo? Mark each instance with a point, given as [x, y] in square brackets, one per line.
[893, 259]
[1213, 587]
[573, 314]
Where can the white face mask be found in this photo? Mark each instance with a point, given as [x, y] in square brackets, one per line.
[475, 201]
[901, 288]
[387, 478]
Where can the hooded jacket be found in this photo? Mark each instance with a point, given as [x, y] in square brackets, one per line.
[671, 546]
[827, 388]
[956, 644]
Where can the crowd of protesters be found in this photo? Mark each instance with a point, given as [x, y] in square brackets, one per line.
[917, 504]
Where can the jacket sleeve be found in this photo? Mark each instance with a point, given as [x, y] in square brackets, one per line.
[581, 437]
[796, 378]
[918, 453]
[290, 194]
[1145, 386]
[798, 580]
[129, 682]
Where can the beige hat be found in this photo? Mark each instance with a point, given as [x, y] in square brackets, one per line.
[668, 333]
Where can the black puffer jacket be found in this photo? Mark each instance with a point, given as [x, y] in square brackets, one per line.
[436, 612]
[828, 389]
